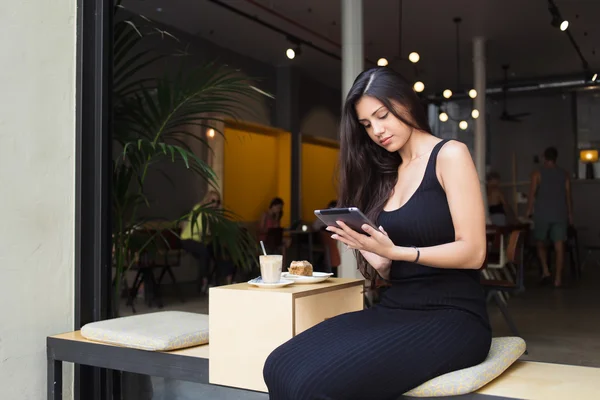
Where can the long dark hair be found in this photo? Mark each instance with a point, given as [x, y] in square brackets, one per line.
[368, 172]
[277, 201]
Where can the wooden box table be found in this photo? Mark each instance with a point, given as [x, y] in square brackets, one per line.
[247, 323]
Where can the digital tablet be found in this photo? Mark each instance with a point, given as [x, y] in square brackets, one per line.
[351, 216]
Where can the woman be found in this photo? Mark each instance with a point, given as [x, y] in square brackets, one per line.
[271, 218]
[197, 242]
[424, 193]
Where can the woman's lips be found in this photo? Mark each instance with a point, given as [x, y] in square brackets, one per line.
[385, 141]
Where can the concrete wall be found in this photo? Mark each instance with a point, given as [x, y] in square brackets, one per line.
[37, 162]
[550, 124]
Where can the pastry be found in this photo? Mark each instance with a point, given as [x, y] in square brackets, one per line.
[301, 268]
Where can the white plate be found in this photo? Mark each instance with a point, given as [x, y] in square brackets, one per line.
[315, 278]
[259, 283]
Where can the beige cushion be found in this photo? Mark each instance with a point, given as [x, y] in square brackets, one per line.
[160, 331]
[503, 353]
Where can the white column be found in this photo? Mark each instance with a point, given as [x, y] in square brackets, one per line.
[352, 65]
[480, 86]
[352, 43]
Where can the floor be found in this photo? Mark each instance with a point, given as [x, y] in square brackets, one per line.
[559, 326]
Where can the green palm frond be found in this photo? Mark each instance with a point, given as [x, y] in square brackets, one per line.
[221, 228]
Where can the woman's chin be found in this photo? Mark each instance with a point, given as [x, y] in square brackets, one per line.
[392, 147]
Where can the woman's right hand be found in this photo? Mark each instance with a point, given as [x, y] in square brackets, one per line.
[381, 264]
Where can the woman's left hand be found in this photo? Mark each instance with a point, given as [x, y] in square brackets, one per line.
[378, 242]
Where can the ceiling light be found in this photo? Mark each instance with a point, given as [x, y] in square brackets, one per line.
[290, 53]
[564, 25]
[475, 113]
[463, 125]
[210, 133]
[414, 57]
[594, 77]
[443, 117]
[472, 93]
[419, 86]
[447, 93]
[382, 62]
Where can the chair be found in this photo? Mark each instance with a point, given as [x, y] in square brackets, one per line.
[571, 252]
[144, 247]
[169, 246]
[495, 287]
[163, 251]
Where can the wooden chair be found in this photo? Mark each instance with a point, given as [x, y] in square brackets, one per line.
[494, 287]
[168, 256]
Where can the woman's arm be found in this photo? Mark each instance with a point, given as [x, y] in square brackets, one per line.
[535, 179]
[262, 225]
[459, 179]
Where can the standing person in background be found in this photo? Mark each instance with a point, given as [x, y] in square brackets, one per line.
[550, 204]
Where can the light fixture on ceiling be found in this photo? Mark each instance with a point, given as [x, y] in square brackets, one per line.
[419, 86]
[443, 117]
[475, 113]
[447, 93]
[594, 77]
[210, 133]
[382, 62]
[463, 125]
[472, 93]
[290, 53]
[414, 57]
[557, 20]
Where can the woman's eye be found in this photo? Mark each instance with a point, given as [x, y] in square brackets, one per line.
[384, 116]
[367, 126]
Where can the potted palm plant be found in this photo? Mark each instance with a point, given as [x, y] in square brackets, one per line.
[152, 122]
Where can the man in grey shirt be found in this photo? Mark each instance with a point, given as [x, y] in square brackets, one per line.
[550, 202]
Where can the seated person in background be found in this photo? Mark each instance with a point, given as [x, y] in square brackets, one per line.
[497, 205]
[198, 243]
[271, 219]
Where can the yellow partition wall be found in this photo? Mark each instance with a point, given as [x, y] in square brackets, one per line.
[256, 168]
[319, 177]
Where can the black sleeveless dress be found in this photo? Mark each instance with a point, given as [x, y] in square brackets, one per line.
[429, 322]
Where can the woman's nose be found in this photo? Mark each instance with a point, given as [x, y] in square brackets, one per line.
[378, 129]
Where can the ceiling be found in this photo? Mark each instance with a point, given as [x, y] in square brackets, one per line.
[517, 32]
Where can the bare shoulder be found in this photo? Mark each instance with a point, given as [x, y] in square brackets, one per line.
[453, 151]
[454, 164]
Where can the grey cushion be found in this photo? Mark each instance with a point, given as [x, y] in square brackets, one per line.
[160, 331]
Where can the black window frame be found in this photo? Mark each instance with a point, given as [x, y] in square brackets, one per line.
[93, 176]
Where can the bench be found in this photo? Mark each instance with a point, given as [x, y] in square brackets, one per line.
[523, 380]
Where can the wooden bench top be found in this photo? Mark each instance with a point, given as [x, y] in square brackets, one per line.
[537, 380]
[523, 380]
